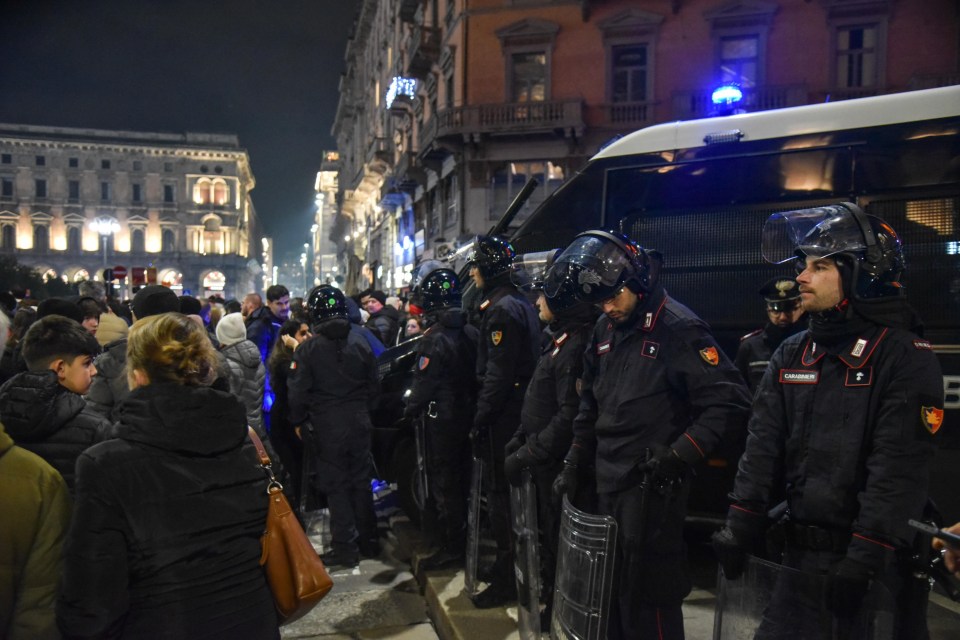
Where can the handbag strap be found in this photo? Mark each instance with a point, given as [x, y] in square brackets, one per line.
[265, 463]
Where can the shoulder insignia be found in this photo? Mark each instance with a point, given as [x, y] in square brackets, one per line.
[751, 334]
[423, 362]
[496, 337]
[932, 418]
[858, 347]
[650, 349]
[293, 365]
[861, 377]
[710, 355]
[922, 345]
[603, 347]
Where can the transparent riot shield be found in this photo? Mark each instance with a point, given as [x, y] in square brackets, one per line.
[470, 582]
[523, 512]
[773, 602]
[421, 489]
[584, 582]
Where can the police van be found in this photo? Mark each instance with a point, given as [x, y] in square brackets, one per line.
[700, 191]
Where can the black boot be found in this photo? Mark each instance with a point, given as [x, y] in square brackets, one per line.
[496, 595]
[340, 559]
[443, 558]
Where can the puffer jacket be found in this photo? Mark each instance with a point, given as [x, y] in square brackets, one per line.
[45, 417]
[110, 386]
[248, 378]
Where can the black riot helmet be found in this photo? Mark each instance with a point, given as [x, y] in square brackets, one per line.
[492, 256]
[598, 264]
[325, 303]
[434, 286]
[867, 250]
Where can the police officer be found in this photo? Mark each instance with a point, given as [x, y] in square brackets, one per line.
[507, 353]
[842, 424]
[443, 395]
[332, 385]
[550, 405]
[785, 318]
[654, 380]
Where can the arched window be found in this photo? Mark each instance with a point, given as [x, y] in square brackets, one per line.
[137, 243]
[212, 236]
[168, 240]
[81, 275]
[219, 192]
[9, 236]
[73, 238]
[201, 191]
[41, 238]
[49, 275]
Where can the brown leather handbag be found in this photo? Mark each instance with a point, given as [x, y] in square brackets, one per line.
[294, 571]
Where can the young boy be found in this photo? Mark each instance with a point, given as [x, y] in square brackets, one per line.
[43, 408]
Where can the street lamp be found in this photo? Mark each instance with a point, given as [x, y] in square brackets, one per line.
[303, 268]
[106, 227]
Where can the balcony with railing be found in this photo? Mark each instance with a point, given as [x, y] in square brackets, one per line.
[424, 51]
[623, 115]
[689, 105]
[379, 155]
[519, 118]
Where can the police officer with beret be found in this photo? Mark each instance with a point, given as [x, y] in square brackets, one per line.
[785, 318]
[654, 382]
[843, 425]
[443, 395]
[507, 354]
[331, 386]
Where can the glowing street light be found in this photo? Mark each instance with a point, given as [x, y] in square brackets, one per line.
[106, 227]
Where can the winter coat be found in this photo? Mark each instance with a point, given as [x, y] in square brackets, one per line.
[110, 387]
[44, 417]
[262, 330]
[168, 514]
[36, 508]
[385, 324]
[247, 379]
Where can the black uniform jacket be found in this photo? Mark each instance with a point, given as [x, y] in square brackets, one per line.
[333, 375]
[552, 401]
[659, 378]
[168, 514]
[444, 371]
[756, 347]
[507, 352]
[44, 417]
[848, 434]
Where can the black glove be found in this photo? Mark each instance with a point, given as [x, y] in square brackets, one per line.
[513, 466]
[513, 445]
[665, 463]
[566, 482]
[847, 584]
[478, 442]
[731, 552]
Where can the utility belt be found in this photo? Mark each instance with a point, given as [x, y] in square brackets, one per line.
[814, 538]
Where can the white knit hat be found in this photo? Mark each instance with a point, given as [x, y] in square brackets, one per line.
[231, 330]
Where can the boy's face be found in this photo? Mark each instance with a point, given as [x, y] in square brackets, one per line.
[90, 323]
[77, 374]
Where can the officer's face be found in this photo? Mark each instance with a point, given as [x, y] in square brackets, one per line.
[545, 314]
[477, 276]
[820, 286]
[785, 316]
[620, 307]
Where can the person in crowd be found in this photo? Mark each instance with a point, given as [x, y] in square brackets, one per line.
[785, 317]
[286, 443]
[168, 513]
[332, 386]
[233, 306]
[545, 431]
[654, 380]
[60, 307]
[263, 325]
[190, 306]
[247, 374]
[298, 310]
[8, 304]
[443, 396]
[110, 387]
[252, 302]
[35, 505]
[412, 327]
[111, 326]
[90, 310]
[12, 361]
[384, 321]
[354, 315]
[43, 408]
[842, 428]
[507, 353]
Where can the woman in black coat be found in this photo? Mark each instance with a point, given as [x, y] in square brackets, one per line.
[168, 514]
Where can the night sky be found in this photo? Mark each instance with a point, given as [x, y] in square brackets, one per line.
[266, 70]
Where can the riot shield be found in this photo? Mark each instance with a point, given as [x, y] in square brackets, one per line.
[523, 511]
[773, 602]
[581, 599]
[421, 489]
[470, 583]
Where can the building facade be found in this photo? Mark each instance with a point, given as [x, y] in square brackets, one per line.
[169, 208]
[448, 107]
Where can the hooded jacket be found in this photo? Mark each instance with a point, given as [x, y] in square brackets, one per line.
[45, 417]
[165, 537]
[248, 379]
[30, 543]
[110, 386]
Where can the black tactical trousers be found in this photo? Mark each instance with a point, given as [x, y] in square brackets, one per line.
[448, 467]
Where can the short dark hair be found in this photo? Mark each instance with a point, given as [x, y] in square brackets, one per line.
[276, 292]
[56, 337]
[376, 294]
[89, 307]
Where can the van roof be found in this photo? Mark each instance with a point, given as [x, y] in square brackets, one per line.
[909, 106]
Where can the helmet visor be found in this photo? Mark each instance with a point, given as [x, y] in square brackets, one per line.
[596, 266]
[529, 270]
[820, 232]
[422, 271]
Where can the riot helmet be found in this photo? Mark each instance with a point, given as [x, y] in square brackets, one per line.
[434, 286]
[867, 250]
[492, 256]
[326, 302]
[598, 264]
[529, 270]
